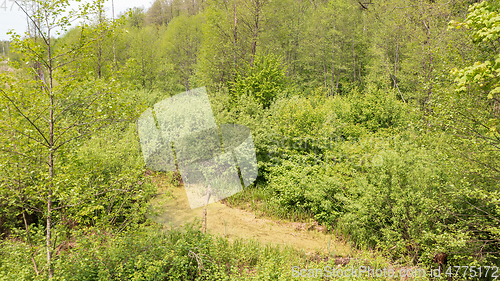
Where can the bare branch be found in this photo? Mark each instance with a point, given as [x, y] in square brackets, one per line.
[25, 117]
[81, 135]
[34, 23]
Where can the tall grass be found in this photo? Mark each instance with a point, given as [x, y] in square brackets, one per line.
[152, 253]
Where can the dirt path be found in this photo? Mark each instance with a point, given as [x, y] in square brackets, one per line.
[173, 211]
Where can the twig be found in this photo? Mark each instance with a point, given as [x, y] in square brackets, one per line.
[31, 244]
[209, 193]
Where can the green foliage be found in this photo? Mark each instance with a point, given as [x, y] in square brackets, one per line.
[214, 67]
[143, 61]
[155, 254]
[182, 42]
[327, 89]
[315, 116]
[112, 156]
[50, 109]
[264, 80]
[470, 114]
[245, 110]
[141, 256]
[317, 145]
[376, 109]
[14, 256]
[483, 21]
[392, 206]
[306, 188]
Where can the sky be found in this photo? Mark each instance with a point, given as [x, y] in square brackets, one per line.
[11, 17]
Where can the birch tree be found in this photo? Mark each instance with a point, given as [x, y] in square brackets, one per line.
[48, 107]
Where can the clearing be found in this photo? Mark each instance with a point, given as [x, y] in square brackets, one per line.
[171, 209]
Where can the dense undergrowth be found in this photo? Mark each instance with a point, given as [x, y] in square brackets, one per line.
[154, 253]
[384, 131]
[364, 166]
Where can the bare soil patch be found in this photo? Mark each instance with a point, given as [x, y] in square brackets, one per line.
[172, 209]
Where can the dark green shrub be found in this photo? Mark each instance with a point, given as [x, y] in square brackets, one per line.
[297, 186]
[376, 109]
[392, 206]
[264, 80]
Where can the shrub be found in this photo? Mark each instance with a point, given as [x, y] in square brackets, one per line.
[264, 80]
[376, 109]
[150, 253]
[297, 186]
[392, 207]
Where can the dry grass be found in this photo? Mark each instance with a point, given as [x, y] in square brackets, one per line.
[172, 210]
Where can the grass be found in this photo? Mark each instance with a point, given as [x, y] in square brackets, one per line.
[150, 253]
[159, 252]
[226, 233]
[259, 200]
[234, 223]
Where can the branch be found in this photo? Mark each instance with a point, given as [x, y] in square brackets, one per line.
[85, 44]
[25, 117]
[79, 136]
[363, 6]
[21, 154]
[69, 106]
[34, 23]
[30, 137]
[479, 209]
[78, 118]
[29, 242]
[395, 83]
[90, 197]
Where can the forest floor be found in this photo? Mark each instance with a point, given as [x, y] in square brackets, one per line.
[172, 209]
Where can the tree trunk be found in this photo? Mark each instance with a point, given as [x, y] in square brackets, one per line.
[353, 58]
[324, 70]
[204, 223]
[235, 38]
[334, 88]
[340, 63]
[428, 67]
[51, 161]
[49, 222]
[255, 30]
[114, 37]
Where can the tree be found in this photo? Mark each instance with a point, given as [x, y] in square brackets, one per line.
[181, 43]
[410, 42]
[338, 48]
[144, 55]
[160, 12]
[47, 112]
[222, 49]
[264, 80]
[232, 36]
[253, 20]
[471, 113]
[284, 33]
[163, 11]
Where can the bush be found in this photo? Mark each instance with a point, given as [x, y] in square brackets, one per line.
[309, 189]
[393, 206]
[150, 253]
[264, 80]
[376, 109]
